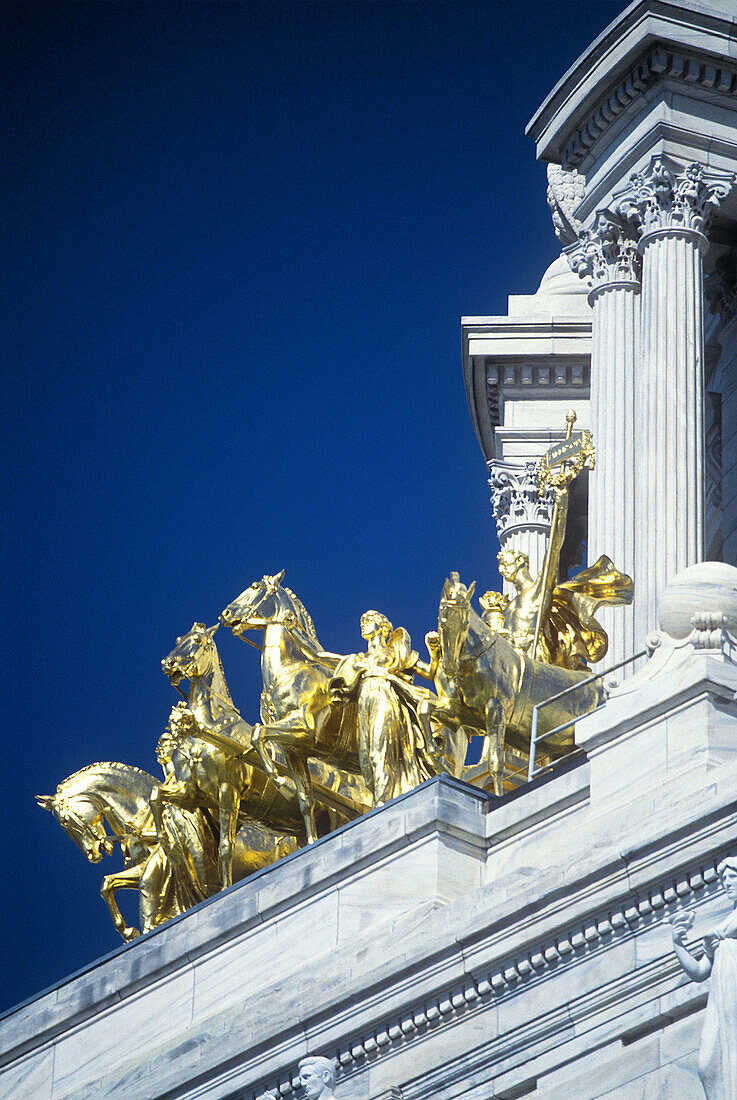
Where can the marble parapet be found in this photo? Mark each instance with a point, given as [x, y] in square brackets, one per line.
[448, 944]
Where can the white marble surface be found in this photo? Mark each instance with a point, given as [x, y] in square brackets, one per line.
[612, 515]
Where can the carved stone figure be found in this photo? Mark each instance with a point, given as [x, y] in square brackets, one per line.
[718, 1053]
[318, 1077]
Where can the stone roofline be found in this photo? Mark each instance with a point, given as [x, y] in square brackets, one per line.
[649, 40]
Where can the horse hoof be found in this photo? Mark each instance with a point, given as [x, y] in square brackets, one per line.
[129, 934]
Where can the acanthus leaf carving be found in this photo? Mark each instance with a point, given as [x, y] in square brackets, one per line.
[608, 252]
[666, 196]
[516, 498]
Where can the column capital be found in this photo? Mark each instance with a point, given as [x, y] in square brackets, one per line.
[607, 254]
[667, 199]
[516, 499]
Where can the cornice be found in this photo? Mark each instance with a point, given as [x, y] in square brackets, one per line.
[660, 63]
[616, 68]
[509, 975]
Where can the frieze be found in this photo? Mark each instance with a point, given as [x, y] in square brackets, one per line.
[507, 977]
[659, 63]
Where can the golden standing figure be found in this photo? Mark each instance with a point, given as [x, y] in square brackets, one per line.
[392, 744]
[554, 622]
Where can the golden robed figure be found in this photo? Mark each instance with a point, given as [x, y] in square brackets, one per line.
[336, 734]
[546, 620]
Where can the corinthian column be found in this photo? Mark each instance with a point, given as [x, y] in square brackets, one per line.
[522, 517]
[673, 206]
[607, 258]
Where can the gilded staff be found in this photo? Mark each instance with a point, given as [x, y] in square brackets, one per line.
[572, 456]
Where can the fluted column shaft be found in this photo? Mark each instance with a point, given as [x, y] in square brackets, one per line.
[647, 385]
[614, 351]
[670, 420]
[606, 256]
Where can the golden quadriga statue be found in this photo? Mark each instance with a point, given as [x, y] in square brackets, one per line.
[338, 734]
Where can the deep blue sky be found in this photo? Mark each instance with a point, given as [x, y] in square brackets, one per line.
[239, 238]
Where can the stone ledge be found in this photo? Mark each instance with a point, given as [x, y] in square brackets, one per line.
[614, 59]
[442, 807]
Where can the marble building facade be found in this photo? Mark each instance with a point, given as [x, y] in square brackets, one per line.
[640, 138]
[452, 944]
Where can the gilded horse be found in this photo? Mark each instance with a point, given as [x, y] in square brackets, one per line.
[119, 795]
[311, 721]
[206, 772]
[116, 794]
[296, 707]
[494, 687]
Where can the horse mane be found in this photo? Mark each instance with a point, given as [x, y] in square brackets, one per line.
[307, 623]
[223, 681]
[114, 764]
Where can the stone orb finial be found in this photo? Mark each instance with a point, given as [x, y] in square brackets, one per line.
[708, 586]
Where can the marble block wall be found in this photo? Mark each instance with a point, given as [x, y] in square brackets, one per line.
[447, 945]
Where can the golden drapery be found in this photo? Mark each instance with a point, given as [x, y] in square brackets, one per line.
[393, 749]
[571, 635]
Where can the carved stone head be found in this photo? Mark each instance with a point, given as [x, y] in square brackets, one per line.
[317, 1077]
[727, 871]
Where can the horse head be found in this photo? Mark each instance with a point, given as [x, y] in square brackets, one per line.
[263, 604]
[193, 654]
[453, 620]
[81, 820]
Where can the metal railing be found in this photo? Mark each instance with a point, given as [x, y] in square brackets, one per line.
[536, 738]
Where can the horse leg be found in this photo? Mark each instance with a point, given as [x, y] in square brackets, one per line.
[300, 772]
[495, 733]
[258, 741]
[230, 804]
[295, 729]
[121, 880]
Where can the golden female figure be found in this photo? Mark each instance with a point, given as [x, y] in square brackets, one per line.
[392, 744]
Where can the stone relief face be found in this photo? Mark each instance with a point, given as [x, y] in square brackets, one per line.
[729, 883]
[312, 1083]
